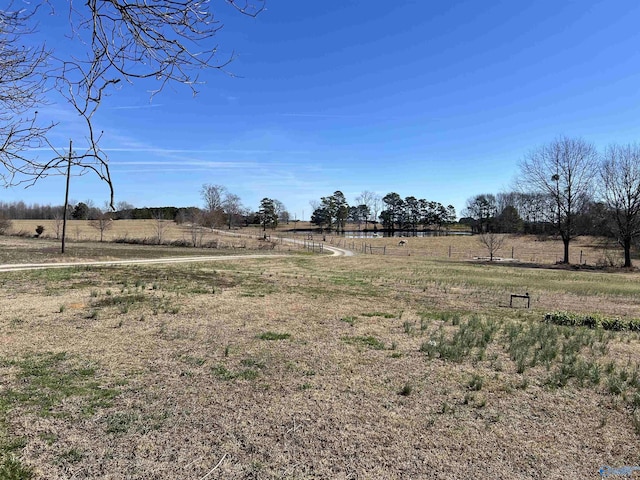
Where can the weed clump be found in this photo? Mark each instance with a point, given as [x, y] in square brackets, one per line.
[368, 341]
[274, 336]
[473, 335]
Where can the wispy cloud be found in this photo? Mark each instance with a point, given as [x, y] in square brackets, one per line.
[135, 107]
[170, 151]
[319, 115]
[190, 163]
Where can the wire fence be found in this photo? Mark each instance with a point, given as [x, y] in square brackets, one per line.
[525, 249]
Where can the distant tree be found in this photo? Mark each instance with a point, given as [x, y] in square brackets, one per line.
[533, 208]
[482, 208]
[93, 211]
[321, 217]
[80, 211]
[451, 215]
[57, 221]
[394, 212]
[281, 211]
[509, 220]
[493, 242]
[160, 224]
[620, 174]
[371, 201]
[267, 214]
[376, 208]
[596, 219]
[332, 211]
[213, 197]
[194, 218]
[413, 213]
[359, 214]
[342, 210]
[562, 170]
[443, 215]
[232, 208]
[102, 223]
[123, 210]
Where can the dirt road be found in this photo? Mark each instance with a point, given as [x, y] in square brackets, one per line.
[336, 252]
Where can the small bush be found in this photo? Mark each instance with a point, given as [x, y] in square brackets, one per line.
[5, 225]
[476, 383]
[406, 390]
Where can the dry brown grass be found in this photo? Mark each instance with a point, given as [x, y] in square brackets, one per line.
[198, 387]
[81, 230]
[519, 248]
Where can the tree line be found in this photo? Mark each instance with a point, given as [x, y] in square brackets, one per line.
[392, 211]
[568, 188]
[220, 208]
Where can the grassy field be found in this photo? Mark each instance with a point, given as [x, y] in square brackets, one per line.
[396, 366]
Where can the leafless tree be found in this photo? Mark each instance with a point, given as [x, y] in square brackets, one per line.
[232, 206]
[160, 225]
[124, 210]
[57, 223]
[23, 83]
[493, 242]
[369, 199]
[196, 229]
[213, 196]
[620, 174]
[482, 208]
[168, 41]
[376, 208]
[562, 170]
[281, 211]
[102, 223]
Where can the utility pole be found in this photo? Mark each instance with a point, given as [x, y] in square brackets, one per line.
[66, 198]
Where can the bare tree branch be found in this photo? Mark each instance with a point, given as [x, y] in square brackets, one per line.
[169, 41]
[23, 83]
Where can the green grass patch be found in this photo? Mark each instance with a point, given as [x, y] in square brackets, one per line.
[224, 373]
[274, 336]
[379, 314]
[118, 300]
[12, 469]
[40, 385]
[350, 320]
[368, 341]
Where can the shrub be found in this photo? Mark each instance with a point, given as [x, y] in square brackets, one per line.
[406, 390]
[593, 321]
[5, 225]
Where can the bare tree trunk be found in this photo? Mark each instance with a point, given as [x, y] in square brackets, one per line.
[565, 241]
[627, 252]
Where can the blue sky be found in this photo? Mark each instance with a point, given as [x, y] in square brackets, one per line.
[435, 99]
